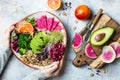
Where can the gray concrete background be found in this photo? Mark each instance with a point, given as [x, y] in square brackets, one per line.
[13, 10]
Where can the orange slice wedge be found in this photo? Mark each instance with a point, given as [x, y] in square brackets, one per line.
[27, 28]
[54, 4]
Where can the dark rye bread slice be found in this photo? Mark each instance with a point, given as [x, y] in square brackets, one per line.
[38, 15]
[104, 20]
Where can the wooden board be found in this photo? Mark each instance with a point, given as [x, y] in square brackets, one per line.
[82, 59]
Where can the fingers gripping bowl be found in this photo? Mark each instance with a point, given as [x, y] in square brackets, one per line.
[39, 39]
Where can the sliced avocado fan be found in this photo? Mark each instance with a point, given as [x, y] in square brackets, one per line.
[101, 36]
[39, 41]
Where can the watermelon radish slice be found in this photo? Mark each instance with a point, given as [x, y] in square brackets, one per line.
[108, 54]
[90, 52]
[116, 47]
[55, 23]
[41, 23]
[77, 41]
[50, 23]
[58, 27]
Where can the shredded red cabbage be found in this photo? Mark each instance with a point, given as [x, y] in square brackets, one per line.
[56, 51]
[44, 54]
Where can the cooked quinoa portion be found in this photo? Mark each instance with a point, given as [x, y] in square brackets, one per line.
[30, 58]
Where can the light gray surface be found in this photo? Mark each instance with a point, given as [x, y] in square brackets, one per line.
[13, 10]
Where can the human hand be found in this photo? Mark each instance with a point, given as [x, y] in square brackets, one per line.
[53, 69]
[6, 36]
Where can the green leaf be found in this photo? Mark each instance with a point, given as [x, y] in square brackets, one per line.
[14, 35]
[27, 20]
[22, 51]
[24, 41]
[31, 20]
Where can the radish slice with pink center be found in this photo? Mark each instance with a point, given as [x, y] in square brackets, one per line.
[77, 41]
[116, 47]
[49, 23]
[41, 23]
[55, 23]
[108, 54]
[58, 27]
[90, 52]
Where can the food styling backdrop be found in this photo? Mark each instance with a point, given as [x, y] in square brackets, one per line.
[13, 10]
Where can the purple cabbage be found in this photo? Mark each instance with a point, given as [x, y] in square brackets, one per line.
[14, 45]
[44, 54]
[56, 51]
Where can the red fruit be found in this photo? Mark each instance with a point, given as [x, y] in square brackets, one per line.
[82, 12]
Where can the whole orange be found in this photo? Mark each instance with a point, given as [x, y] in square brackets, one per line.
[82, 12]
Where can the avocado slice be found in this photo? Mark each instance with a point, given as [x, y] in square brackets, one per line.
[39, 40]
[101, 36]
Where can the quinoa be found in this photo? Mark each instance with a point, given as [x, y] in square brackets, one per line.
[30, 58]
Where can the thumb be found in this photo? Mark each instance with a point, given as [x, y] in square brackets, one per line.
[59, 67]
[10, 29]
[54, 67]
[7, 31]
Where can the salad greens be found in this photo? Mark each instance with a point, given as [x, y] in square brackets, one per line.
[38, 38]
[31, 20]
[37, 42]
[24, 40]
[42, 38]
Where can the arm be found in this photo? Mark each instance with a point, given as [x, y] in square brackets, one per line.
[36, 75]
[4, 47]
[4, 55]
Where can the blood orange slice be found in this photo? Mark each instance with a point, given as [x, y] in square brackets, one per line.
[27, 27]
[54, 4]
